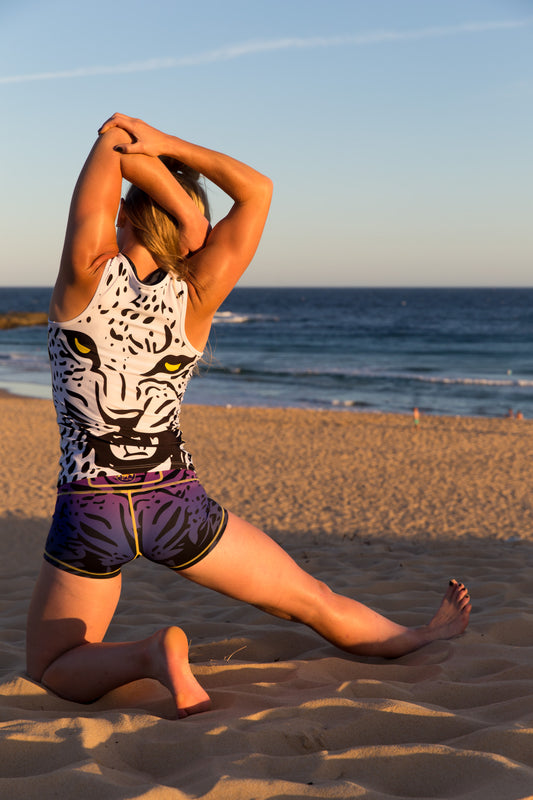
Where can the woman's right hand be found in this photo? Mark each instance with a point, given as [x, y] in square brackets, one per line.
[144, 138]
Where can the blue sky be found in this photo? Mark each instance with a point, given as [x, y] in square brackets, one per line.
[398, 133]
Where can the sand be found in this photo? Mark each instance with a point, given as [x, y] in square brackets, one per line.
[382, 511]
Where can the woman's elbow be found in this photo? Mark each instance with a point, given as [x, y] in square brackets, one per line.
[195, 239]
[267, 186]
[263, 190]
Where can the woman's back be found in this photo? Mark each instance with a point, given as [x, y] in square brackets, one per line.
[119, 372]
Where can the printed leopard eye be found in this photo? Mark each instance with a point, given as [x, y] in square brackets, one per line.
[81, 347]
[172, 367]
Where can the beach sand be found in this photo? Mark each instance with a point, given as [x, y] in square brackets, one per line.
[381, 510]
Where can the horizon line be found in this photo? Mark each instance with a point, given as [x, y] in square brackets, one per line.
[320, 287]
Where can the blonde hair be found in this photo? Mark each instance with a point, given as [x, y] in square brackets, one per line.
[155, 228]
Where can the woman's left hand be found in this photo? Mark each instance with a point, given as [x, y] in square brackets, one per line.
[144, 138]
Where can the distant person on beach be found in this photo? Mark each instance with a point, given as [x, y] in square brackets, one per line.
[129, 318]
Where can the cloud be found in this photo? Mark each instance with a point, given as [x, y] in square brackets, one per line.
[290, 43]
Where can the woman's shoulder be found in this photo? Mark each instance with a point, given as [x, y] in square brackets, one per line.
[72, 296]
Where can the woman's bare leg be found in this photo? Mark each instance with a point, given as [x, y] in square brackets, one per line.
[249, 566]
[68, 618]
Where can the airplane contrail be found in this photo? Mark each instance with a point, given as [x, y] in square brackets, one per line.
[231, 52]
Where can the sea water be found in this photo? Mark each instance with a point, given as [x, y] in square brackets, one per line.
[445, 351]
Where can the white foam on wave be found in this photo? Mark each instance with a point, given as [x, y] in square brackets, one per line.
[232, 318]
[281, 370]
[459, 380]
[25, 361]
[471, 381]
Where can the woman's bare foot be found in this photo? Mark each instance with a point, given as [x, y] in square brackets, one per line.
[452, 617]
[169, 656]
[387, 639]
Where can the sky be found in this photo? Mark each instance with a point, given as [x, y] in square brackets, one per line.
[398, 133]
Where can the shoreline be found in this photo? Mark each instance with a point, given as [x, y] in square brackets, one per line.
[334, 408]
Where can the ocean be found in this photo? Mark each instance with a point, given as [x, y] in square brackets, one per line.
[464, 352]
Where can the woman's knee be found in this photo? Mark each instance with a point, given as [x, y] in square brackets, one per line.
[310, 605]
[322, 599]
[49, 640]
[66, 611]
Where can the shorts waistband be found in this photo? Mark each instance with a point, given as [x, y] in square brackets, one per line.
[130, 482]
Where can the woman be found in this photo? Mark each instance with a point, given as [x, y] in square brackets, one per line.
[130, 316]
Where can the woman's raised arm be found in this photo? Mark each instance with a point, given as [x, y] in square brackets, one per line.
[91, 234]
[231, 245]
